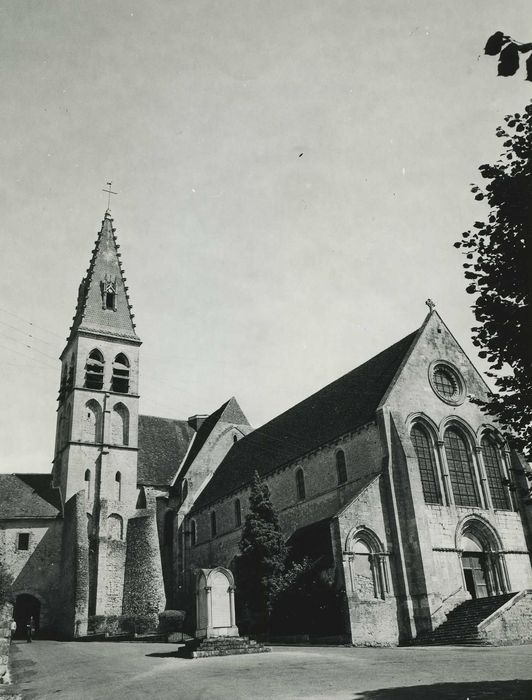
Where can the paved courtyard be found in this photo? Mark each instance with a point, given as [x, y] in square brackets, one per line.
[98, 671]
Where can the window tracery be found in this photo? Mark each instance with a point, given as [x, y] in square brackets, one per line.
[426, 458]
[461, 469]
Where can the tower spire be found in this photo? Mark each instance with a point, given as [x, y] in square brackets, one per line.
[103, 305]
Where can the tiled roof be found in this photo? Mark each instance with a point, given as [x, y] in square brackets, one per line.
[163, 443]
[313, 541]
[343, 406]
[28, 496]
[229, 412]
[105, 266]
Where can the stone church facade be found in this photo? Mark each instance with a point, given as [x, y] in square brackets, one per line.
[390, 479]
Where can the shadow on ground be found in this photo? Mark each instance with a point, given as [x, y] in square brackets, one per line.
[480, 690]
[176, 654]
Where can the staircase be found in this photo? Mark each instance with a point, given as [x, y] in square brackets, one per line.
[221, 646]
[461, 626]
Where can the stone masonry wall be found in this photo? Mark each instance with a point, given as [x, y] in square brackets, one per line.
[36, 571]
[6, 615]
[143, 582]
[373, 621]
[73, 612]
[513, 625]
[324, 497]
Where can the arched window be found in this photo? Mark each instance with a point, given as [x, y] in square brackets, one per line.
[94, 370]
[341, 468]
[60, 432]
[369, 578]
[461, 470]
[238, 513]
[71, 374]
[193, 533]
[63, 385]
[235, 438]
[66, 424]
[300, 485]
[184, 490]
[120, 378]
[427, 464]
[213, 523]
[91, 426]
[118, 486]
[88, 492]
[115, 527]
[169, 521]
[495, 474]
[120, 425]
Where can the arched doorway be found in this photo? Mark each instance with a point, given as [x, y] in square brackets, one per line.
[26, 606]
[474, 567]
[483, 565]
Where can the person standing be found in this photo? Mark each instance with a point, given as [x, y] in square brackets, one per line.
[13, 628]
[29, 630]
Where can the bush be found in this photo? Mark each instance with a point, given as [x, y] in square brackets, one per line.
[96, 624]
[139, 624]
[111, 624]
[171, 621]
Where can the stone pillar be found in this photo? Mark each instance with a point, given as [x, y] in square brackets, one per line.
[485, 492]
[448, 491]
[231, 591]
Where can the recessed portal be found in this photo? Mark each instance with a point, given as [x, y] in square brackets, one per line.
[26, 607]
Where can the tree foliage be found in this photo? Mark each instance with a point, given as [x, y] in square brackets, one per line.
[498, 251]
[263, 570]
[508, 50]
[261, 566]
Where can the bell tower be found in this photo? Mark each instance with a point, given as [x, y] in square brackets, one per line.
[97, 415]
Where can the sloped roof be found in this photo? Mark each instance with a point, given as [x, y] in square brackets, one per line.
[344, 405]
[105, 266]
[313, 541]
[163, 443]
[28, 496]
[229, 412]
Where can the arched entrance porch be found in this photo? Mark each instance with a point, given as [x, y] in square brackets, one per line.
[26, 607]
[483, 567]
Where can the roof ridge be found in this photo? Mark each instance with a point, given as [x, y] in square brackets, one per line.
[338, 380]
[341, 407]
[149, 415]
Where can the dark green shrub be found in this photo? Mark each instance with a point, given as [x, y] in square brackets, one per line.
[139, 624]
[96, 624]
[171, 621]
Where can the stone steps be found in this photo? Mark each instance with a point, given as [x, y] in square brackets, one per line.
[461, 626]
[222, 646]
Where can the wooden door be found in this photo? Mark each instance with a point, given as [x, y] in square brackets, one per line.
[475, 575]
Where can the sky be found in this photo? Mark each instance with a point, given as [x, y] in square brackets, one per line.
[291, 177]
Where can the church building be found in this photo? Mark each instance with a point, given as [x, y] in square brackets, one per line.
[390, 479]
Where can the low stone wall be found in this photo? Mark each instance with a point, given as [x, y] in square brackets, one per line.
[6, 614]
[510, 624]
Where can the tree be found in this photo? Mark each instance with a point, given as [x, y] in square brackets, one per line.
[261, 567]
[499, 269]
[508, 50]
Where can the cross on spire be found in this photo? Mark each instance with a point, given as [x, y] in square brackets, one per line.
[109, 193]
